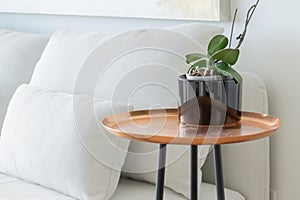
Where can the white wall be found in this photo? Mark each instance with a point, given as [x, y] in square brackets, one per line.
[271, 50]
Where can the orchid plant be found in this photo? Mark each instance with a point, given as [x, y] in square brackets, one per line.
[220, 55]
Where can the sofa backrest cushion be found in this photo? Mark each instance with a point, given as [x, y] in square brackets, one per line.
[63, 58]
[19, 53]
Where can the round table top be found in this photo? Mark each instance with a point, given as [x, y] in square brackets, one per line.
[163, 126]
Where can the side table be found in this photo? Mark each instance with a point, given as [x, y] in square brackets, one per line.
[162, 126]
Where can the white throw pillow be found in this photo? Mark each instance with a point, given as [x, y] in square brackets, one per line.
[19, 53]
[62, 59]
[55, 140]
[122, 69]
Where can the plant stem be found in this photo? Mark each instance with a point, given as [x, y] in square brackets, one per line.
[232, 27]
[250, 12]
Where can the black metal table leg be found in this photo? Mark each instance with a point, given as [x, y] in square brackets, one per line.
[160, 179]
[219, 172]
[194, 172]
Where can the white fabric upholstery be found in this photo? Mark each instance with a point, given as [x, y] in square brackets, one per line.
[246, 165]
[16, 189]
[19, 53]
[54, 139]
[146, 191]
[66, 52]
[125, 67]
[249, 176]
[62, 59]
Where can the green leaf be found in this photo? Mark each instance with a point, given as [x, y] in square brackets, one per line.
[225, 67]
[221, 72]
[229, 56]
[193, 57]
[217, 43]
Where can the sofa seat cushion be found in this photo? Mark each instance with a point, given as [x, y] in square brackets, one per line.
[129, 189]
[17, 189]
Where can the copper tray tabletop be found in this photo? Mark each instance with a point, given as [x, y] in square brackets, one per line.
[163, 126]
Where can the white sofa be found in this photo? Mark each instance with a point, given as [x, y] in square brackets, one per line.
[246, 166]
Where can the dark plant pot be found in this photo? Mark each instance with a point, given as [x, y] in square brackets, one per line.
[209, 101]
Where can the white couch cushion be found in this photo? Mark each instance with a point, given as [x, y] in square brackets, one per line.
[66, 52]
[136, 190]
[19, 53]
[62, 59]
[16, 189]
[54, 139]
[132, 67]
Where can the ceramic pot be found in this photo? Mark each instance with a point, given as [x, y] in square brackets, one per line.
[210, 100]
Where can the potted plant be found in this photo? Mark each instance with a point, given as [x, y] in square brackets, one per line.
[210, 91]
